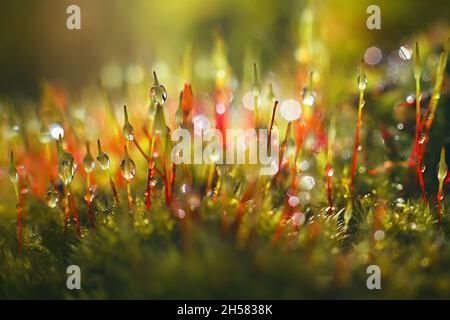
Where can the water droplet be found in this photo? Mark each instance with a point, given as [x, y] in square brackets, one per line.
[56, 131]
[128, 130]
[66, 164]
[12, 130]
[304, 165]
[410, 98]
[309, 96]
[293, 201]
[423, 168]
[102, 158]
[127, 167]
[362, 82]
[89, 195]
[405, 52]
[422, 138]
[298, 218]
[88, 160]
[158, 92]
[290, 110]
[184, 188]
[52, 197]
[400, 126]
[330, 172]
[307, 183]
[379, 235]
[363, 103]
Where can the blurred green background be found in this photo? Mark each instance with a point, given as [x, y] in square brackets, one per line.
[35, 44]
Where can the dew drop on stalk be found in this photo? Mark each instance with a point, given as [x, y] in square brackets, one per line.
[127, 167]
[13, 175]
[410, 99]
[153, 181]
[256, 88]
[66, 170]
[88, 160]
[52, 197]
[423, 168]
[308, 98]
[102, 158]
[56, 131]
[158, 92]
[128, 130]
[66, 164]
[362, 82]
[89, 195]
[330, 172]
[422, 138]
[362, 79]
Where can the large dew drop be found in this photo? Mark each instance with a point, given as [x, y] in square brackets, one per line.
[88, 160]
[66, 164]
[128, 130]
[158, 93]
[102, 158]
[362, 79]
[127, 167]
